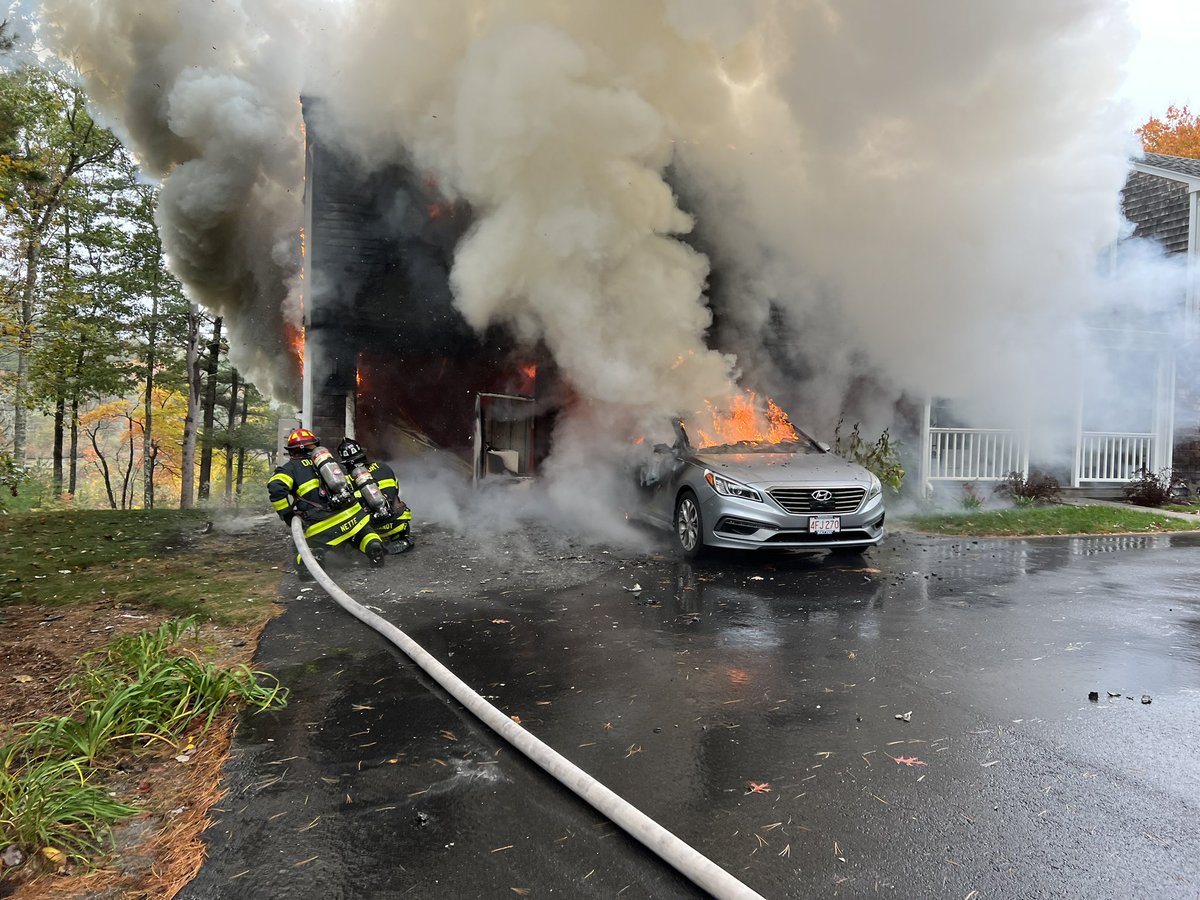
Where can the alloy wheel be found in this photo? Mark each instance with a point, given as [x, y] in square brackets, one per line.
[687, 524]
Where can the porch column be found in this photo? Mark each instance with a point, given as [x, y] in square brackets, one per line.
[1077, 458]
[1164, 412]
[926, 446]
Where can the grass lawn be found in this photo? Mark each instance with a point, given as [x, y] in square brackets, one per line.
[1049, 520]
[156, 559]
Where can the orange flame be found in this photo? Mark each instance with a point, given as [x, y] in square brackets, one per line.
[295, 340]
[743, 419]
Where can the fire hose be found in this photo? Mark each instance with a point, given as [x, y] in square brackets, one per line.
[692, 864]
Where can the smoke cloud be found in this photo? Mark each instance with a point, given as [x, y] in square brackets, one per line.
[207, 96]
[841, 204]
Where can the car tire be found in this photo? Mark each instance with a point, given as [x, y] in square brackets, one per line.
[688, 526]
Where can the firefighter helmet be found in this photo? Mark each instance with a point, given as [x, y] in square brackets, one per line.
[301, 439]
[350, 451]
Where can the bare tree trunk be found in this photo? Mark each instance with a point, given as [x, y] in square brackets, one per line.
[148, 446]
[74, 468]
[33, 256]
[210, 410]
[60, 414]
[60, 404]
[103, 464]
[241, 459]
[187, 474]
[233, 404]
[127, 482]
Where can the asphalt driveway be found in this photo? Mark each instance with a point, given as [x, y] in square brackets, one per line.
[917, 724]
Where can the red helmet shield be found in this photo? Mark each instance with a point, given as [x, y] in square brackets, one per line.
[301, 438]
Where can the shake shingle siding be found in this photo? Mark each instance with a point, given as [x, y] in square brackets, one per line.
[1158, 208]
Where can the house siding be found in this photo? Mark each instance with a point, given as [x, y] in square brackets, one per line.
[1158, 209]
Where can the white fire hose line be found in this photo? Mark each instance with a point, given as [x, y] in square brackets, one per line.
[695, 866]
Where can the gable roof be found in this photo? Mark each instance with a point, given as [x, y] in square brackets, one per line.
[1176, 168]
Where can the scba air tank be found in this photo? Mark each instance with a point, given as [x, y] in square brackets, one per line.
[333, 476]
[368, 488]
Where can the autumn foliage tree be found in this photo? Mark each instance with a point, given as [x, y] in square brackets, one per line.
[1176, 134]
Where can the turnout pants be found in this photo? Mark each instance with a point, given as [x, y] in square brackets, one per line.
[348, 527]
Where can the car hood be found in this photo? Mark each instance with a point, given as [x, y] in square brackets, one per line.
[774, 469]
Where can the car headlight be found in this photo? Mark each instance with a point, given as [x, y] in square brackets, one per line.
[876, 488]
[730, 488]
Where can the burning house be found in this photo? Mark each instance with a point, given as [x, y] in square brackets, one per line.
[384, 355]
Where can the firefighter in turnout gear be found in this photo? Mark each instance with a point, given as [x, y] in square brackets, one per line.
[313, 486]
[376, 487]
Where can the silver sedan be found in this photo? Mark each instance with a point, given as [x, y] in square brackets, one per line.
[756, 495]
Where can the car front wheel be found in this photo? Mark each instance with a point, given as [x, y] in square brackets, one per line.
[689, 525]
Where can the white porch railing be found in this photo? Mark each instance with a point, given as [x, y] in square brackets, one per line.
[976, 454]
[1114, 456]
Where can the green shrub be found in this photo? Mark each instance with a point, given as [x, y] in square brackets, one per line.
[1036, 488]
[12, 476]
[1154, 488]
[881, 458]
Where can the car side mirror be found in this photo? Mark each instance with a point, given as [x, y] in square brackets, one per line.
[824, 446]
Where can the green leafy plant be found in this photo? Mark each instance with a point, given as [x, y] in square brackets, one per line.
[12, 476]
[1029, 490]
[970, 497]
[138, 691]
[48, 806]
[145, 688]
[1150, 488]
[881, 458]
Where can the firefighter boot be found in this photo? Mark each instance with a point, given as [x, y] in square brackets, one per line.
[376, 553]
[302, 572]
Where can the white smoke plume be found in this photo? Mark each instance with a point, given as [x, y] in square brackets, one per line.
[207, 96]
[911, 194]
[920, 191]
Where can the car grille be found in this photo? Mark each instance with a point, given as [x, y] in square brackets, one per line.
[850, 536]
[799, 500]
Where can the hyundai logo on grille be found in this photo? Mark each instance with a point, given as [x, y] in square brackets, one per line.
[822, 496]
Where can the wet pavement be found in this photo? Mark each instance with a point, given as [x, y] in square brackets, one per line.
[749, 704]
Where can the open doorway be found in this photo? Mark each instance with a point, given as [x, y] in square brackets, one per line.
[504, 436]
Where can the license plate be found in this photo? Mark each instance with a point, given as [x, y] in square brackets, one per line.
[824, 524]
